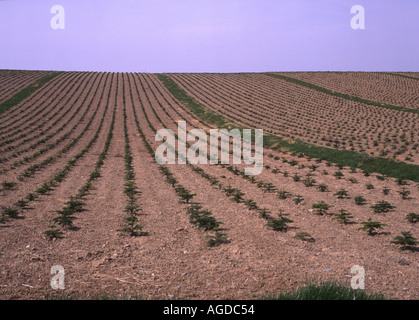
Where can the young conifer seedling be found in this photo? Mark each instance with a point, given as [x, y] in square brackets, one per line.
[406, 240]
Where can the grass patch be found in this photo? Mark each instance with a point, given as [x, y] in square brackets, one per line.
[391, 168]
[325, 291]
[23, 94]
[201, 111]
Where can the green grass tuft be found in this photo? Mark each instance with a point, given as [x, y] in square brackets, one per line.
[325, 291]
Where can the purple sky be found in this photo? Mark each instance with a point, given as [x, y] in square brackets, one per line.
[210, 36]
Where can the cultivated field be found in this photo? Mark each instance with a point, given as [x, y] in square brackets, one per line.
[376, 86]
[12, 81]
[81, 187]
[298, 112]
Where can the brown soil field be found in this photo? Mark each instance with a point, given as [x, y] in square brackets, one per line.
[91, 136]
[296, 112]
[376, 86]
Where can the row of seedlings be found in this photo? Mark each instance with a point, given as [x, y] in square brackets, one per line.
[52, 145]
[11, 133]
[46, 121]
[38, 99]
[30, 171]
[10, 85]
[295, 124]
[344, 217]
[66, 216]
[235, 194]
[47, 186]
[51, 135]
[202, 219]
[277, 224]
[132, 227]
